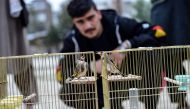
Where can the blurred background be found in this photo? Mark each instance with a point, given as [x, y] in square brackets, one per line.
[49, 21]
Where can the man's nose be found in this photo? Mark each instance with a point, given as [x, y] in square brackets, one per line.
[88, 25]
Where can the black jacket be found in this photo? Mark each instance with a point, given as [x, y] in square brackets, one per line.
[116, 30]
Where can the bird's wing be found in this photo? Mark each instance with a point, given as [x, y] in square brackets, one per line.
[112, 65]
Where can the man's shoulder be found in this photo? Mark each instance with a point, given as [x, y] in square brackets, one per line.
[109, 11]
[108, 17]
[70, 34]
[113, 16]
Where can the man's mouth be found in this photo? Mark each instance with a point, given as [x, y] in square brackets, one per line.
[90, 30]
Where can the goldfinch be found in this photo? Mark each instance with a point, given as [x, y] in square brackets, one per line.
[80, 69]
[60, 77]
[111, 64]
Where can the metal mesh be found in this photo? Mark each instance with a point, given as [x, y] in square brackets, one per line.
[3, 79]
[133, 80]
[141, 78]
[34, 77]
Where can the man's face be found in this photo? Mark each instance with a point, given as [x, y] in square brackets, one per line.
[89, 25]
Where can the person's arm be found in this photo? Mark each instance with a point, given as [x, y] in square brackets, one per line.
[135, 35]
[141, 34]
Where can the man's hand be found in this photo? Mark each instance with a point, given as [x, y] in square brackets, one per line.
[118, 57]
[98, 66]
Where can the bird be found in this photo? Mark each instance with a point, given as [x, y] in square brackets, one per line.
[60, 77]
[80, 69]
[111, 64]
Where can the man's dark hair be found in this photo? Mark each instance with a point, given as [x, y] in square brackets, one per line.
[78, 8]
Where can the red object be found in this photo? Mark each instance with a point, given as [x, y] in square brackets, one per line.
[58, 69]
[164, 83]
[156, 27]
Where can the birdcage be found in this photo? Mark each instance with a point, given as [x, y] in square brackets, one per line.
[133, 80]
[11, 102]
[3, 79]
[146, 78]
[58, 81]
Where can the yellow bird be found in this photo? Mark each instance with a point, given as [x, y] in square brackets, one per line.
[111, 64]
[60, 77]
[80, 69]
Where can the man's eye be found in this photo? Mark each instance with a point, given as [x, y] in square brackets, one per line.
[90, 18]
[80, 22]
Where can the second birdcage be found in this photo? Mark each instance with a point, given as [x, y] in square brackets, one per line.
[135, 78]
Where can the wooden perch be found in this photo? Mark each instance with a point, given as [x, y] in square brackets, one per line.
[124, 78]
[81, 80]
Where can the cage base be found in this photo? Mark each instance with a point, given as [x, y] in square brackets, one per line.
[81, 80]
[129, 77]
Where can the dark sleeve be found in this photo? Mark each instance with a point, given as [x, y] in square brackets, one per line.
[68, 45]
[66, 63]
[130, 27]
[140, 34]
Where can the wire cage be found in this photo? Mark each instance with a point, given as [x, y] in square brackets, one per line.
[11, 102]
[135, 78]
[132, 79]
[3, 79]
[49, 81]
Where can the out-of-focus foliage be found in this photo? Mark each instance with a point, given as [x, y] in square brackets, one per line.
[143, 8]
[58, 32]
[32, 27]
[65, 22]
[52, 37]
[38, 19]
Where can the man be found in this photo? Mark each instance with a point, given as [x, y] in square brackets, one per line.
[13, 43]
[174, 17]
[96, 30]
